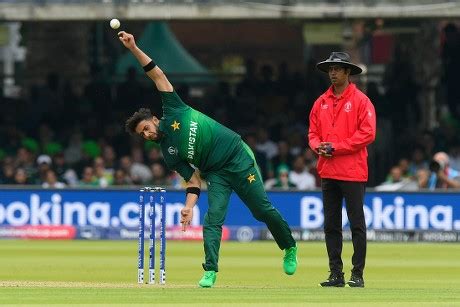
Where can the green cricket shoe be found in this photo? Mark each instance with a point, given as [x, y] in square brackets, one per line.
[208, 279]
[290, 260]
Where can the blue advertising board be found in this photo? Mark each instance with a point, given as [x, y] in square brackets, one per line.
[119, 208]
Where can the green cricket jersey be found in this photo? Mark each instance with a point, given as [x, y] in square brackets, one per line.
[190, 137]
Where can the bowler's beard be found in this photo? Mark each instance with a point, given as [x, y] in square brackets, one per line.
[160, 133]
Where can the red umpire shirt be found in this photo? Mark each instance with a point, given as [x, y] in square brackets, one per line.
[348, 122]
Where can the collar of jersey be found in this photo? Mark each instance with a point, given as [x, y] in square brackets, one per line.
[346, 94]
[162, 127]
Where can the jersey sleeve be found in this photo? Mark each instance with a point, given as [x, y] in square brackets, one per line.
[314, 129]
[184, 169]
[172, 102]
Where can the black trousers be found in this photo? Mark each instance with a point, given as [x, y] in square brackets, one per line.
[334, 191]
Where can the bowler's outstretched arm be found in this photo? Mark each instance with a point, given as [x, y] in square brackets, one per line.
[156, 74]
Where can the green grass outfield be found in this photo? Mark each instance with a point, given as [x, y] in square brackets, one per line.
[105, 272]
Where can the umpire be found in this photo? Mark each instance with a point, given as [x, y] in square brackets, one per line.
[342, 124]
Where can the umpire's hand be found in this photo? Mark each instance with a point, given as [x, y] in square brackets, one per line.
[325, 149]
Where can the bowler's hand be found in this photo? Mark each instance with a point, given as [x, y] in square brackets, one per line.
[186, 217]
[127, 39]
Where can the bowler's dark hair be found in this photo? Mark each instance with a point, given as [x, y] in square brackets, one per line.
[136, 118]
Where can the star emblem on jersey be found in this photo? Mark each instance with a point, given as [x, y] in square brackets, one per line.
[175, 125]
[251, 178]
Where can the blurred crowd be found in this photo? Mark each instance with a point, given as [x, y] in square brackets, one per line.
[56, 137]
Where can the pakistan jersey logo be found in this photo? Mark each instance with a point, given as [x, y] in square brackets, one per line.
[175, 125]
[192, 140]
[172, 150]
[251, 178]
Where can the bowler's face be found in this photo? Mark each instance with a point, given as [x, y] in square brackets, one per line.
[148, 129]
[338, 75]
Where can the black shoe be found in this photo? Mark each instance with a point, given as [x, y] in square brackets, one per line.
[356, 281]
[335, 280]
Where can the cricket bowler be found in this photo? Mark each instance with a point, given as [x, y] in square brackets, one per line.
[188, 137]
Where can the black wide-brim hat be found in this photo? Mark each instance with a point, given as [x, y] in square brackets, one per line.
[342, 59]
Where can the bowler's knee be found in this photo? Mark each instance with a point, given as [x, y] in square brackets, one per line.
[263, 214]
[214, 218]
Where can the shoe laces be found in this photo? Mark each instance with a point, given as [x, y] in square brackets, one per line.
[290, 254]
[208, 274]
[335, 275]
